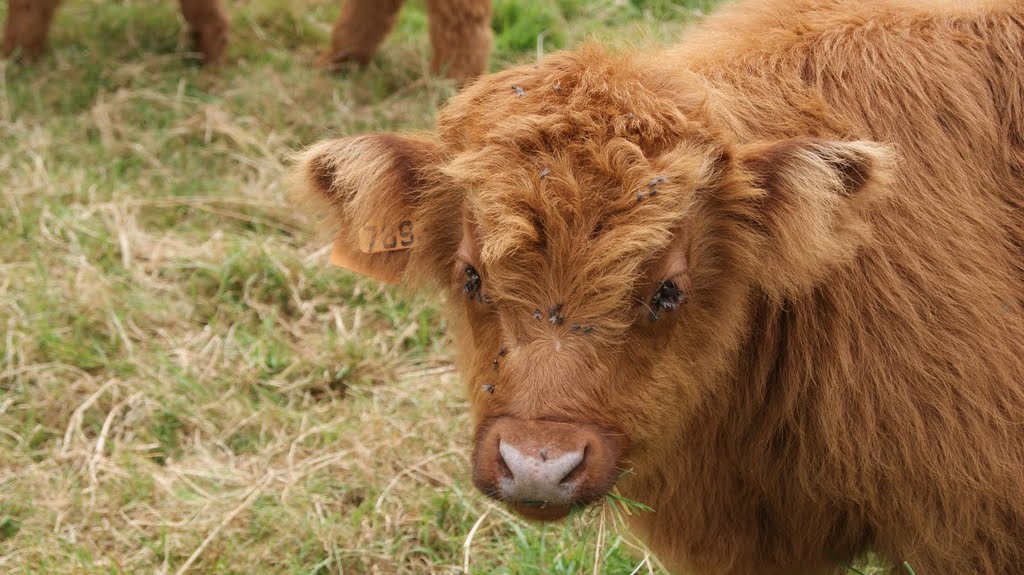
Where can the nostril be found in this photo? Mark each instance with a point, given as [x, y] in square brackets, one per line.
[575, 472]
[503, 469]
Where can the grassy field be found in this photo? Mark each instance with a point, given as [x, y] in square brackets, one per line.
[185, 385]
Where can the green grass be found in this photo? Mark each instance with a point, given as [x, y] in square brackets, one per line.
[185, 384]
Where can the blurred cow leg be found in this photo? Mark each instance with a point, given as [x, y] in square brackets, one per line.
[28, 22]
[359, 30]
[208, 23]
[460, 31]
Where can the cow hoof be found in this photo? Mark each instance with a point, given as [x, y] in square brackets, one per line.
[334, 61]
[211, 42]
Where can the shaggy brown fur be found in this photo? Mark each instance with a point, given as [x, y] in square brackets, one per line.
[460, 31]
[838, 189]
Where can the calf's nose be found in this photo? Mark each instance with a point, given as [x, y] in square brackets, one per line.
[538, 475]
[542, 469]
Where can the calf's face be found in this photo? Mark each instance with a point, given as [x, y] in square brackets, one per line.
[598, 235]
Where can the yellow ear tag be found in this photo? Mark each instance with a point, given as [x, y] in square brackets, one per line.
[374, 239]
[377, 238]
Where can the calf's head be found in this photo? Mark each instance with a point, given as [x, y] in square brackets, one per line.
[598, 233]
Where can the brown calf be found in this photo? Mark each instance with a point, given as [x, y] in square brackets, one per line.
[776, 272]
[459, 30]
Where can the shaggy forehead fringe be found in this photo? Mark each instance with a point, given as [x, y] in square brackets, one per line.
[580, 167]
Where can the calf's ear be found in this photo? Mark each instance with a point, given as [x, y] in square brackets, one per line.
[812, 210]
[367, 190]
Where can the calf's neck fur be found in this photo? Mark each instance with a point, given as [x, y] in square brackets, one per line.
[837, 188]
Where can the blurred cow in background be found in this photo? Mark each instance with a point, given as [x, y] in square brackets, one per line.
[459, 30]
[28, 23]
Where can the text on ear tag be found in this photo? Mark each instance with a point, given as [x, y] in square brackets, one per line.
[377, 238]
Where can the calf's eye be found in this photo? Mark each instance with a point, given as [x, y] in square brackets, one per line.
[472, 285]
[667, 298]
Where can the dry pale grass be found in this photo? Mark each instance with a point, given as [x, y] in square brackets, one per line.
[185, 385]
